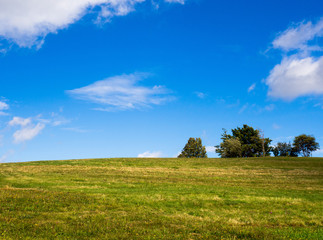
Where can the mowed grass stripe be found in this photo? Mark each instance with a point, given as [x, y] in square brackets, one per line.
[256, 198]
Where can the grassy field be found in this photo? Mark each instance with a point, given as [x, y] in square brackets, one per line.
[269, 198]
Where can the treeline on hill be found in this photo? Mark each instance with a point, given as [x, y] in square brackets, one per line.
[250, 142]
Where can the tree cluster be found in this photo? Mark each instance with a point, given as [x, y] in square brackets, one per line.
[283, 149]
[243, 142]
[303, 145]
[250, 142]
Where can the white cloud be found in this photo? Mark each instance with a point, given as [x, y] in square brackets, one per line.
[27, 133]
[122, 93]
[210, 149]
[299, 74]
[3, 106]
[295, 77]
[20, 121]
[298, 36]
[276, 126]
[252, 87]
[150, 155]
[27, 22]
[27, 130]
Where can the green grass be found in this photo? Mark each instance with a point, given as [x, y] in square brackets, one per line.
[257, 198]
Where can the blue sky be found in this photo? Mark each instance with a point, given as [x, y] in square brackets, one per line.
[128, 78]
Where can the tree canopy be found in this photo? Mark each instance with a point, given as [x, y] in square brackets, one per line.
[283, 149]
[305, 145]
[252, 143]
[193, 149]
[230, 148]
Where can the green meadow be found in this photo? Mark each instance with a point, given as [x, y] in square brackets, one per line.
[256, 198]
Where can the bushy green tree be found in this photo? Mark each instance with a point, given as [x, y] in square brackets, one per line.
[193, 149]
[252, 144]
[251, 141]
[305, 145]
[230, 148]
[284, 150]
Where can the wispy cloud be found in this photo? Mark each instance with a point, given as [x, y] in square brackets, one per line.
[3, 106]
[27, 133]
[256, 108]
[122, 93]
[27, 23]
[299, 74]
[252, 87]
[150, 155]
[243, 108]
[27, 130]
[297, 37]
[20, 121]
[54, 119]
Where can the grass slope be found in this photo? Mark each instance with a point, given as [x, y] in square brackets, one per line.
[271, 198]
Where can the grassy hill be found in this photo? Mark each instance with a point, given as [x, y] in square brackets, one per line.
[258, 198]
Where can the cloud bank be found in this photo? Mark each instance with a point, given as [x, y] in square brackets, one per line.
[300, 72]
[27, 22]
[122, 93]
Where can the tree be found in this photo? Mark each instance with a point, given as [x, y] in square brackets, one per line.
[230, 148]
[193, 149]
[284, 150]
[252, 144]
[305, 145]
